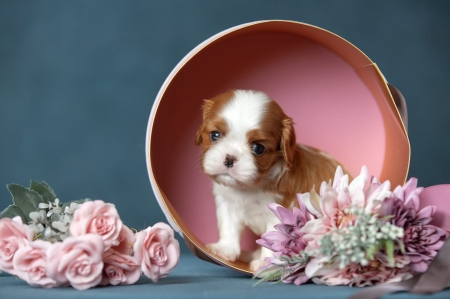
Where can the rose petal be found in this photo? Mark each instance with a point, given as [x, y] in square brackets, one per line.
[77, 260]
[157, 251]
[100, 218]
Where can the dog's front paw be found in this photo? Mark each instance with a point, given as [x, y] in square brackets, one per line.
[256, 264]
[228, 253]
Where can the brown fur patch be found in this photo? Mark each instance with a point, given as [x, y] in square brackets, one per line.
[271, 153]
[270, 135]
[304, 167]
[212, 120]
[309, 169]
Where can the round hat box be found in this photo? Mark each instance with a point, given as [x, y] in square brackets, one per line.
[338, 98]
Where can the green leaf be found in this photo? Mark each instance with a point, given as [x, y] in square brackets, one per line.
[44, 191]
[269, 273]
[389, 247]
[25, 199]
[370, 252]
[49, 189]
[402, 246]
[12, 211]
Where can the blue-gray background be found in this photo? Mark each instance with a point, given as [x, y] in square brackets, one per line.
[78, 79]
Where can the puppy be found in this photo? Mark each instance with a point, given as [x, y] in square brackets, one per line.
[250, 153]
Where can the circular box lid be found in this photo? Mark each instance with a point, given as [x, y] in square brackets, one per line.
[337, 97]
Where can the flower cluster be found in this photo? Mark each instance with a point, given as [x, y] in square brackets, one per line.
[84, 245]
[51, 222]
[352, 234]
[358, 242]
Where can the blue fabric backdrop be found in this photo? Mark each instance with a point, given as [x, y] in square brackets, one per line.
[78, 79]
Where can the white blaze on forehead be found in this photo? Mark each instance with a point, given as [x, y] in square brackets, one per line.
[244, 112]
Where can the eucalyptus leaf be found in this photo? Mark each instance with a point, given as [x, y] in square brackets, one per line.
[25, 199]
[269, 273]
[12, 211]
[44, 191]
[260, 273]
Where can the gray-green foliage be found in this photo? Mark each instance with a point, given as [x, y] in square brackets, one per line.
[359, 242]
[27, 200]
[41, 210]
[286, 267]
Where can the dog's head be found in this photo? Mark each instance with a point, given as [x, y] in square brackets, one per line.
[245, 137]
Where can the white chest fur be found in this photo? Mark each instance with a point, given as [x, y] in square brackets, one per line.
[244, 207]
[235, 209]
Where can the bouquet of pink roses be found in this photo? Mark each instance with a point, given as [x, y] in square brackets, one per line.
[81, 243]
[352, 234]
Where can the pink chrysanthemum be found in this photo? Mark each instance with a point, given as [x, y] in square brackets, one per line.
[329, 206]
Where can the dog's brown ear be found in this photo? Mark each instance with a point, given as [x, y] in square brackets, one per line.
[198, 138]
[206, 107]
[288, 141]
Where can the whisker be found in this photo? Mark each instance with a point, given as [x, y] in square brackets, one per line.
[196, 163]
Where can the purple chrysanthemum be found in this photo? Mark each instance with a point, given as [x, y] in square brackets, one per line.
[421, 239]
[287, 244]
[287, 239]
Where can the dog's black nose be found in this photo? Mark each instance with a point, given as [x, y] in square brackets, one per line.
[229, 160]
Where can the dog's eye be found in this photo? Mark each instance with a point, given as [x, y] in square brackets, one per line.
[258, 149]
[214, 136]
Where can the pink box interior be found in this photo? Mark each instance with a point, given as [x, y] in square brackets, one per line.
[337, 97]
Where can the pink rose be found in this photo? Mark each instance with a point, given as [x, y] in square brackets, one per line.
[100, 218]
[13, 235]
[76, 260]
[30, 264]
[119, 269]
[157, 251]
[126, 240]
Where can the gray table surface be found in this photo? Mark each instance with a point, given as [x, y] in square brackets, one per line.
[192, 278]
